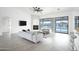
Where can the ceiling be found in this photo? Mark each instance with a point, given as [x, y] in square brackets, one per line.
[54, 9]
[47, 10]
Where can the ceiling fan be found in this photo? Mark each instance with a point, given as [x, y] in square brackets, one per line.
[37, 9]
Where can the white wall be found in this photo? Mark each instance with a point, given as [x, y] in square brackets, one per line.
[15, 14]
[1, 27]
[76, 13]
[35, 21]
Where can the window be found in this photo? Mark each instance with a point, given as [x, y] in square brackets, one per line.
[61, 24]
[46, 23]
[76, 22]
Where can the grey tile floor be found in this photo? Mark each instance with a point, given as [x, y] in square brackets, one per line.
[53, 42]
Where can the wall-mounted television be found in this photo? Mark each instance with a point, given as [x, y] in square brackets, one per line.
[22, 23]
[35, 27]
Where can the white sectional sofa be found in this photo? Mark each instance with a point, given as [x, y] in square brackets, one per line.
[31, 36]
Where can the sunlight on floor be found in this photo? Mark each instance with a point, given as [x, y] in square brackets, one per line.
[62, 39]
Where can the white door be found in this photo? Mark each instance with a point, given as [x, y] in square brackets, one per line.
[6, 25]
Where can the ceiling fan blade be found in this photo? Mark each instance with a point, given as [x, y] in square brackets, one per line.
[38, 9]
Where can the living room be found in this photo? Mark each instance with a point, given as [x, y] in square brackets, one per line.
[34, 28]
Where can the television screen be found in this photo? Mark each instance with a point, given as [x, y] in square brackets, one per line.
[22, 23]
[35, 27]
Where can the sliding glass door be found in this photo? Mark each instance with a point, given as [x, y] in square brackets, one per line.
[61, 24]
